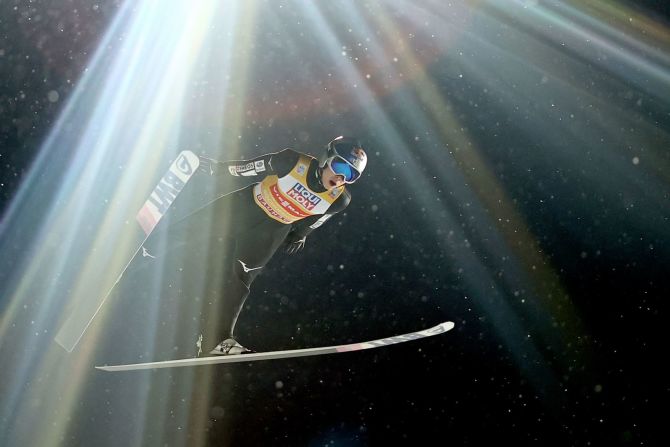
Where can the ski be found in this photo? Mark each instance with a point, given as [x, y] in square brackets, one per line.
[155, 207]
[436, 330]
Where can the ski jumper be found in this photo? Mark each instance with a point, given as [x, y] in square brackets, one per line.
[241, 231]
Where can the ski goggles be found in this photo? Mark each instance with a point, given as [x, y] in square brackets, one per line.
[342, 167]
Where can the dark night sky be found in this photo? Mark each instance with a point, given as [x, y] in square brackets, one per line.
[388, 265]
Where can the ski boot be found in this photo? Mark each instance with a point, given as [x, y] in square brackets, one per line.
[229, 346]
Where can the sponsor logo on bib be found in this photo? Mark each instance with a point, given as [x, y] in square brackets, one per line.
[303, 196]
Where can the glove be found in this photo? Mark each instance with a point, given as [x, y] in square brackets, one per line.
[208, 166]
[294, 246]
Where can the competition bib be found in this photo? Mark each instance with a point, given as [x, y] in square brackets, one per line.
[289, 199]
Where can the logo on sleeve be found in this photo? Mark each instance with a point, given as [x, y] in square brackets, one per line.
[245, 169]
[260, 166]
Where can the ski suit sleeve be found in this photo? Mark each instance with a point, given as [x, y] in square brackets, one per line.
[278, 163]
[295, 240]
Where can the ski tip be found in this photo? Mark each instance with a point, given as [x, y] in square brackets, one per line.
[68, 347]
[441, 328]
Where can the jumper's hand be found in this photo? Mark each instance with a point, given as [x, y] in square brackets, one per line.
[293, 247]
[208, 166]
